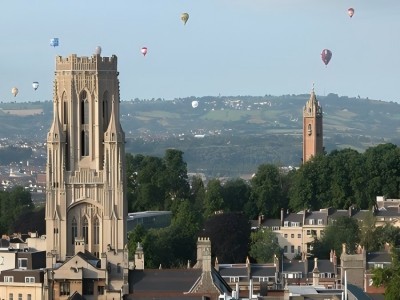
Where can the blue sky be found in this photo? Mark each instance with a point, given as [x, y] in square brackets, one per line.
[228, 47]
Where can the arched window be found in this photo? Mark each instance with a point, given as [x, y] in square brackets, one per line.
[96, 231]
[74, 230]
[84, 108]
[85, 229]
[309, 131]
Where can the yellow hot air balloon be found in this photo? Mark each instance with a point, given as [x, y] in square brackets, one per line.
[184, 17]
[14, 91]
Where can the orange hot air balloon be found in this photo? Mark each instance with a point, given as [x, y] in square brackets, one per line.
[350, 12]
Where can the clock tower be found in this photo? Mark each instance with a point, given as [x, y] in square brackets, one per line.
[312, 128]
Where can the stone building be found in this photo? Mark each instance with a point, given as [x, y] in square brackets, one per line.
[85, 186]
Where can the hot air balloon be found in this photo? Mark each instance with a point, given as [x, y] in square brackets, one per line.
[54, 42]
[350, 12]
[35, 85]
[97, 50]
[144, 51]
[326, 56]
[184, 18]
[14, 91]
[195, 104]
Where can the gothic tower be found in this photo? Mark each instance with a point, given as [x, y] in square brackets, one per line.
[85, 192]
[312, 128]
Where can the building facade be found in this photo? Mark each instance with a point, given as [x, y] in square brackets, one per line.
[85, 186]
[312, 128]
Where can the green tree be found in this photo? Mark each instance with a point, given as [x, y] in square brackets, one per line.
[389, 277]
[214, 200]
[197, 193]
[266, 190]
[343, 230]
[236, 193]
[230, 235]
[264, 245]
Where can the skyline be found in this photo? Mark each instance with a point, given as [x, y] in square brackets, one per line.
[227, 47]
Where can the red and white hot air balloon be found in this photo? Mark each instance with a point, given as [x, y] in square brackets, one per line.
[144, 51]
[326, 56]
[350, 12]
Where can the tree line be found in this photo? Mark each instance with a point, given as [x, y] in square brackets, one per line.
[339, 179]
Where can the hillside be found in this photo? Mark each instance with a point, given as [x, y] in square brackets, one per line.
[227, 136]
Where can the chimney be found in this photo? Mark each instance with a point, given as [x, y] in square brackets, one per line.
[79, 245]
[260, 220]
[216, 266]
[282, 216]
[206, 265]
[315, 273]
[331, 256]
[344, 248]
[202, 244]
[139, 257]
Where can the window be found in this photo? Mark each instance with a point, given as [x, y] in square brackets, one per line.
[84, 108]
[275, 228]
[298, 249]
[285, 235]
[74, 232]
[309, 129]
[292, 249]
[313, 232]
[233, 279]
[22, 263]
[84, 143]
[29, 279]
[311, 222]
[10, 296]
[285, 249]
[308, 232]
[299, 235]
[378, 266]
[29, 297]
[96, 231]
[8, 278]
[100, 290]
[19, 296]
[88, 286]
[85, 230]
[292, 235]
[320, 222]
[286, 224]
[295, 224]
[64, 288]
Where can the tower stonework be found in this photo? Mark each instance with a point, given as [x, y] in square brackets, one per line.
[85, 193]
[312, 128]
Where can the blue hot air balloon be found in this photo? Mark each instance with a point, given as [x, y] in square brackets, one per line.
[54, 42]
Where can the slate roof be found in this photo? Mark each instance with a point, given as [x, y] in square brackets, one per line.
[262, 270]
[164, 280]
[239, 270]
[90, 258]
[294, 217]
[379, 257]
[271, 222]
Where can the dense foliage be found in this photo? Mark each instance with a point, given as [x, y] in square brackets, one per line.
[389, 277]
[13, 205]
[340, 179]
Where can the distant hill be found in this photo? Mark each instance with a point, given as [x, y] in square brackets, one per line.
[227, 136]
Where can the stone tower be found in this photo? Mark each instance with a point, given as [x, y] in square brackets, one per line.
[312, 128]
[85, 191]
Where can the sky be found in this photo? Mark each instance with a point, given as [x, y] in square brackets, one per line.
[227, 47]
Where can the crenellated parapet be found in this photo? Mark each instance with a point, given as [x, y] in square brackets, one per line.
[85, 63]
